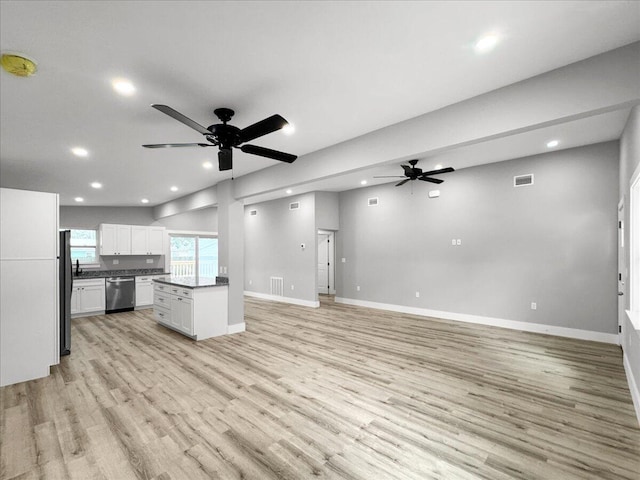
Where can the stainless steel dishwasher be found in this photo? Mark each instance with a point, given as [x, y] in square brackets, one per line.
[121, 294]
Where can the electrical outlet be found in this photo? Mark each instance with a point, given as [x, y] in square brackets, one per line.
[291, 286]
[250, 282]
[344, 260]
[116, 261]
[149, 260]
[534, 306]
[417, 294]
[358, 288]
[453, 242]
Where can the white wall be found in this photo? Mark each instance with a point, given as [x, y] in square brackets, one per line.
[272, 247]
[553, 243]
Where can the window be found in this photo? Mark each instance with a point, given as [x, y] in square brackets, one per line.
[83, 246]
[194, 256]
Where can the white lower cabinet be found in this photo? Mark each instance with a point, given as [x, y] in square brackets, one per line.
[198, 313]
[88, 296]
[144, 291]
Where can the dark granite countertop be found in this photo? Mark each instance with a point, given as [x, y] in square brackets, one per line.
[193, 282]
[119, 273]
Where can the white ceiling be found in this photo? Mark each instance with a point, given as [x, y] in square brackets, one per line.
[336, 70]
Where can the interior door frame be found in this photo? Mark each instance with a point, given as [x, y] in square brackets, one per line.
[621, 269]
[331, 255]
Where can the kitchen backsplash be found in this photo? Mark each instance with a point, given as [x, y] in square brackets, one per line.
[131, 262]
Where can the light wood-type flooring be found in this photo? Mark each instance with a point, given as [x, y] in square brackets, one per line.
[339, 392]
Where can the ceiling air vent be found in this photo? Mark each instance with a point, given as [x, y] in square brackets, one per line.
[523, 180]
[253, 213]
[294, 206]
[372, 202]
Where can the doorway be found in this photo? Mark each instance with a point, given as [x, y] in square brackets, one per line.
[326, 260]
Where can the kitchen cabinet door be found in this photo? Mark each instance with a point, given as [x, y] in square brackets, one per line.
[155, 237]
[139, 240]
[186, 315]
[176, 312]
[123, 239]
[75, 300]
[144, 294]
[108, 240]
[92, 299]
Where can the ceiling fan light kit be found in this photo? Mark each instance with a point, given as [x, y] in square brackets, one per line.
[411, 172]
[18, 64]
[226, 137]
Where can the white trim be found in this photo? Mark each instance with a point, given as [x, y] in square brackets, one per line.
[236, 328]
[190, 232]
[494, 322]
[276, 298]
[633, 387]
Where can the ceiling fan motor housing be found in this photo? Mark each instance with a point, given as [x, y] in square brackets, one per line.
[224, 135]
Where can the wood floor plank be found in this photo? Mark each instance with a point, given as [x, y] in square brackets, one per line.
[339, 392]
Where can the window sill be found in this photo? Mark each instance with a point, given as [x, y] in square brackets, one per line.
[634, 318]
[88, 265]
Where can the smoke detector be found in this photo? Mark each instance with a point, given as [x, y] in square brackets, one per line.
[18, 64]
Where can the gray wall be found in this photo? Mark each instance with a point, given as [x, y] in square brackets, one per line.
[272, 246]
[327, 210]
[553, 243]
[91, 217]
[629, 160]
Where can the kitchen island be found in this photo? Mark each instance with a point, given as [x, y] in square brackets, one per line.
[195, 307]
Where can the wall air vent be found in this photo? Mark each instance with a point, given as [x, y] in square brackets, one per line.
[294, 206]
[372, 202]
[253, 213]
[523, 180]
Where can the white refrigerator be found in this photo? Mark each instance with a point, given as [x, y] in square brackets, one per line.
[29, 330]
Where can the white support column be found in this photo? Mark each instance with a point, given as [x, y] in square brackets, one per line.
[231, 248]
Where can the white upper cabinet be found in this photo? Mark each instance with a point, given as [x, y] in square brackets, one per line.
[147, 240]
[131, 240]
[115, 239]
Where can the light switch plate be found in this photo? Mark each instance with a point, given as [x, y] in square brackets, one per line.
[149, 260]
[458, 242]
[116, 261]
[344, 260]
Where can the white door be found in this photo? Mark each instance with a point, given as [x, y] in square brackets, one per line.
[621, 270]
[323, 263]
[186, 316]
[75, 300]
[144, 294]
[108, 240]
[176, 312]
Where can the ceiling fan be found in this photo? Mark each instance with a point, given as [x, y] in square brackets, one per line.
[226, 136]
[411, 172]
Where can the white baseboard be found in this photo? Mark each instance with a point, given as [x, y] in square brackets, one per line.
[633, 386]
[277, 298]
[494, 322]
[236, 328]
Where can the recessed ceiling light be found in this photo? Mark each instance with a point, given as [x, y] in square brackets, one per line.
[288, 129]
[96, 185]
[289, 192]
[207, 165]
[123, 86]
[174, 189]
[363, 182]
[79, 152]
[438, 166]
[553, 143]
[79, 199]
[486, 43]
[145, 200]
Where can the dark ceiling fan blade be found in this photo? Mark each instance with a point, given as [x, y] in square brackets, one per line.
[389, 176]
[267, 152]
[429, 179]
[181, 118]
[173, 145]
[402, 182]
[225, 159]
[263, 127]
[436, 172]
